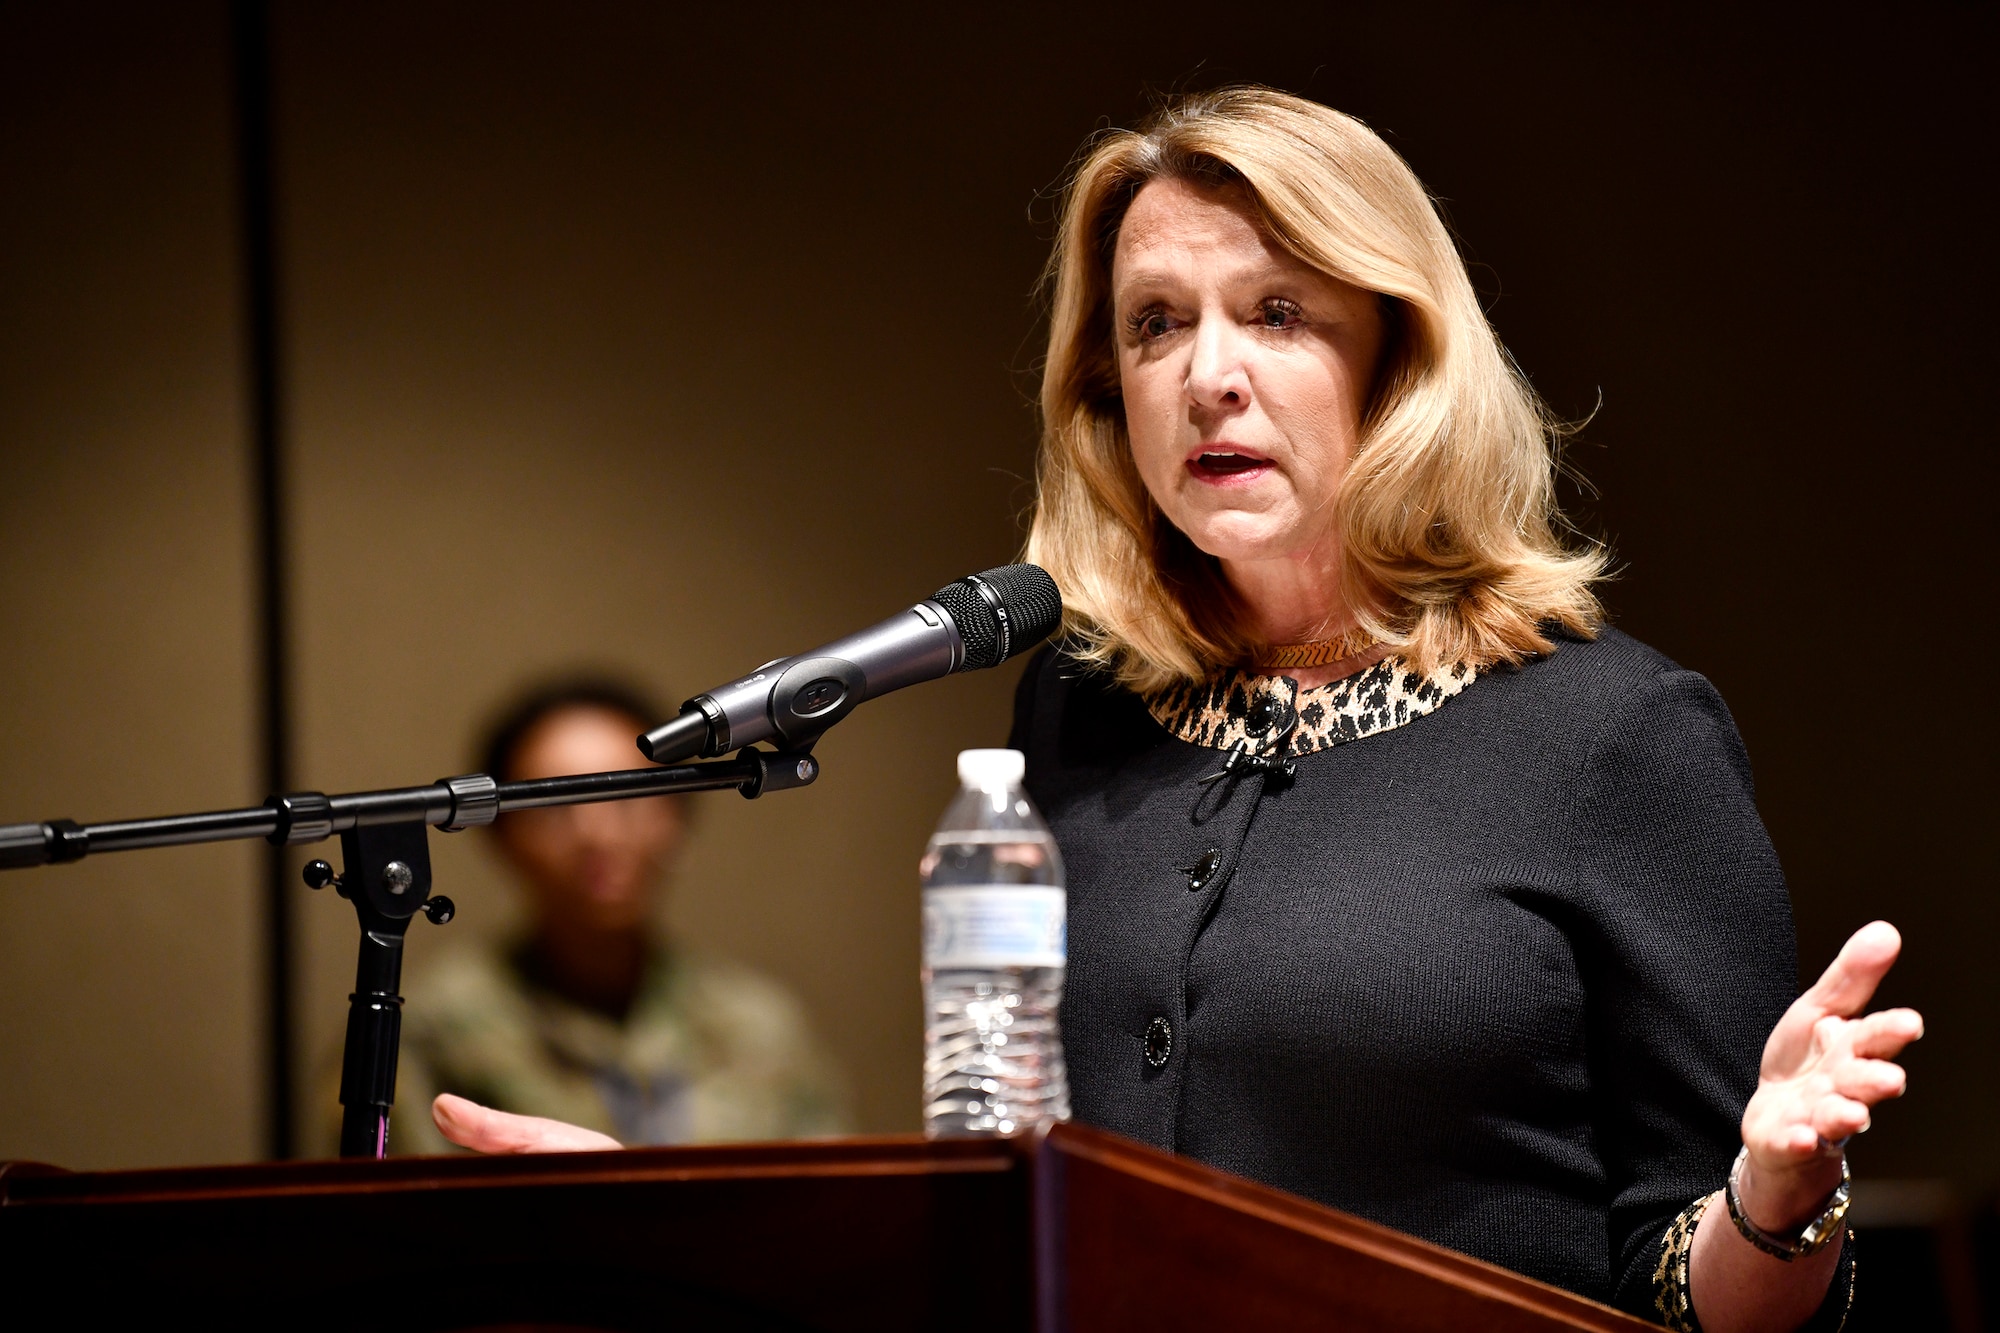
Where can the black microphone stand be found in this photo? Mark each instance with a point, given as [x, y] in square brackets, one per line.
[386, 874]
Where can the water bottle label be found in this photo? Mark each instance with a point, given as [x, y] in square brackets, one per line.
[996, 925]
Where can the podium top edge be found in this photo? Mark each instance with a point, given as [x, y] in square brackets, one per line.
[28, 1184]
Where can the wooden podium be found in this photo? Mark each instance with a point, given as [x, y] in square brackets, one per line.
[1080, 1231]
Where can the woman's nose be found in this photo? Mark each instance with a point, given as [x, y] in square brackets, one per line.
[1217, 376]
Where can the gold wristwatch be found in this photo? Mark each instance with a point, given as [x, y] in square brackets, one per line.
[1818, 1233]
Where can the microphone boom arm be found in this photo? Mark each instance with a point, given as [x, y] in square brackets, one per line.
[449, 804]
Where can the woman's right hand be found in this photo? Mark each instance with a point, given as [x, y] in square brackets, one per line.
[483, 1129]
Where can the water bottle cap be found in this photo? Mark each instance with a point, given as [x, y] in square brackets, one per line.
[985, 769]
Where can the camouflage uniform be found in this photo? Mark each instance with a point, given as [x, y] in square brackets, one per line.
[711, 1051]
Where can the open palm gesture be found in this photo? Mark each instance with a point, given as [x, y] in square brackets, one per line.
[1825, 1068]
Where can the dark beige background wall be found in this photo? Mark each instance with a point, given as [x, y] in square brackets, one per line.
[671, 345]
[128, 985]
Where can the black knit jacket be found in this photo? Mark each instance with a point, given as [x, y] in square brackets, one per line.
[1498, 977]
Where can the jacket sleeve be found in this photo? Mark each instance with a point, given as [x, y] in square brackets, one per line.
[1687, 954]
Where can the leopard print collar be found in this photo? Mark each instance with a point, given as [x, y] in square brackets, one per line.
[1244, 707]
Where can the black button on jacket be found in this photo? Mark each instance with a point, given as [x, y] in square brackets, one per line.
[1498, 977]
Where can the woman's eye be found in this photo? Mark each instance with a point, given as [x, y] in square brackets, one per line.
[1149, 323]
[1278, 315]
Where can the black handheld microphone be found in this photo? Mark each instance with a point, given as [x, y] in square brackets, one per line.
[979, 621]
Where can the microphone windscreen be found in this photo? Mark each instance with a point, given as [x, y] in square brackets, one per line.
[1033, 600]
[1030, 598]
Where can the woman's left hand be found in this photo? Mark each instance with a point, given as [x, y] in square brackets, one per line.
[1824, 1070]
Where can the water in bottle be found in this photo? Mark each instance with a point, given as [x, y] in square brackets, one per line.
[994, 947]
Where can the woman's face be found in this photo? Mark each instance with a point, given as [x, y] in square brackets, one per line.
[1244, 373]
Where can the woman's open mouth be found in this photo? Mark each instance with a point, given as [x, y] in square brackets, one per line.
[1222, 464]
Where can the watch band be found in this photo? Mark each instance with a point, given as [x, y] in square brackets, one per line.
[1817, 1234]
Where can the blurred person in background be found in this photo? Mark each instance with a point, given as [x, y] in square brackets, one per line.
[596, 1017]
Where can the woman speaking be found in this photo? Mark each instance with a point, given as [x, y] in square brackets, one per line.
[1396, 879]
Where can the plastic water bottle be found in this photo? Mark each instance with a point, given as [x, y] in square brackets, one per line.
[995, 941]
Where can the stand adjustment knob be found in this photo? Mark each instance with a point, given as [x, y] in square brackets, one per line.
[440, 910]
[319, 874]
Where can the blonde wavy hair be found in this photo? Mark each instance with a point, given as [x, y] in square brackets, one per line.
[1447, 517]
